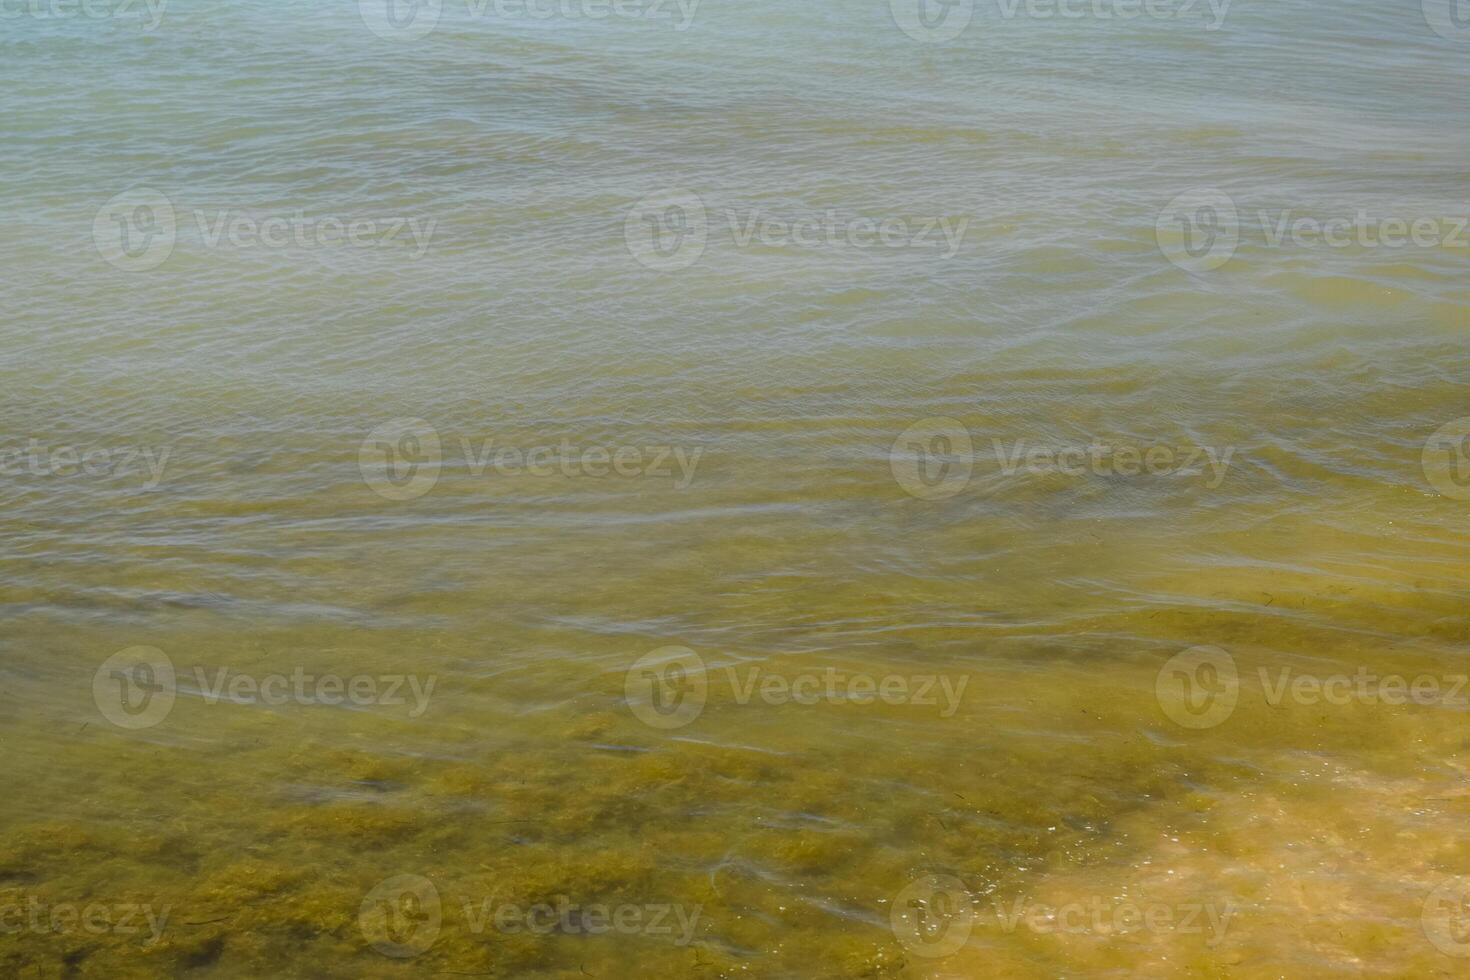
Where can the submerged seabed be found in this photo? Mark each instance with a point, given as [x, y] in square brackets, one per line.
[1066, 800]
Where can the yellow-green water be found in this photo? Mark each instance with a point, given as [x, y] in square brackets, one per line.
[831, 497]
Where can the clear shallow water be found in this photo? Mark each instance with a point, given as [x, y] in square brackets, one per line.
[240, 520]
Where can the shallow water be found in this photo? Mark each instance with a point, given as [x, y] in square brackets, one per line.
[823, 458]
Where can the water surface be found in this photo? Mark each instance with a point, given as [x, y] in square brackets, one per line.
[793, 405]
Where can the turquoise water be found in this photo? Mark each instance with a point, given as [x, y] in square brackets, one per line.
[587, 374]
